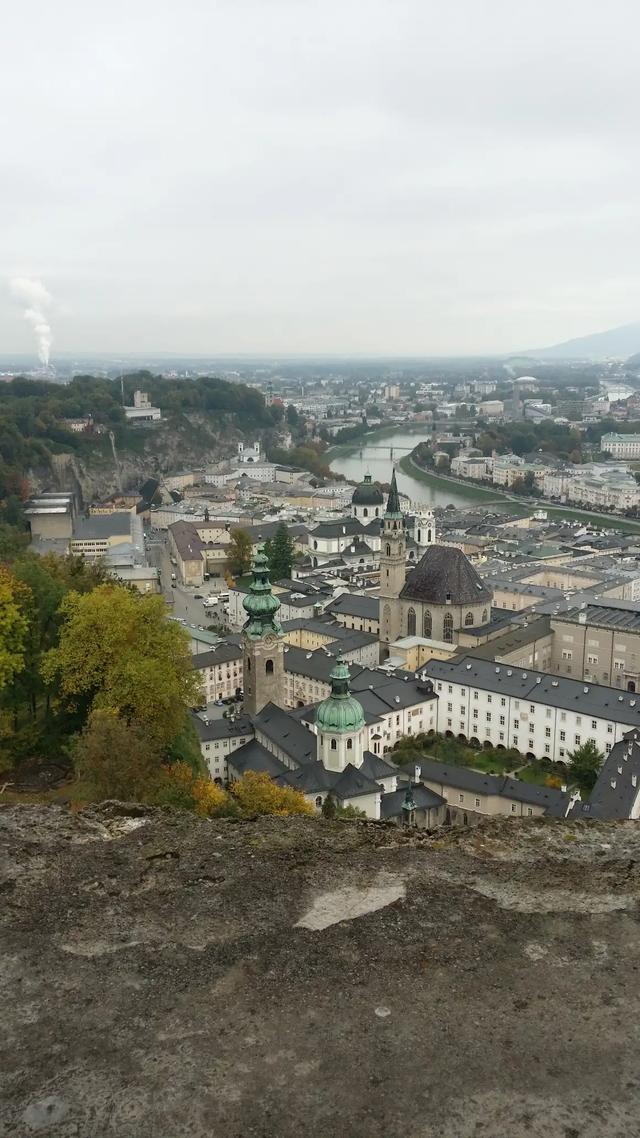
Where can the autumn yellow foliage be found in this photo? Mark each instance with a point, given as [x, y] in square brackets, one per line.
[257, 794]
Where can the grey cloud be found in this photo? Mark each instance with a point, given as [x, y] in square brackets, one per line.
[352, 175]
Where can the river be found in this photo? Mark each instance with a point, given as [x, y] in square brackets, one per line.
[365, 457]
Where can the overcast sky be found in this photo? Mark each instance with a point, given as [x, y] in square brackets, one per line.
[401, 177]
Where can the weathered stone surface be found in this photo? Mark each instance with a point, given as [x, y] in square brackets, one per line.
[156, 978]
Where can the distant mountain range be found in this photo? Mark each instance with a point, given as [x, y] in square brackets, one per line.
[620, 342]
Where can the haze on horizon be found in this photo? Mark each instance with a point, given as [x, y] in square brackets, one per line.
[377, 177]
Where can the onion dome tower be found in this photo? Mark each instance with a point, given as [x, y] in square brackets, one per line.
[263, 645]
[340, 723]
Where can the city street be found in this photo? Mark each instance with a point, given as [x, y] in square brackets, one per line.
[182, 598]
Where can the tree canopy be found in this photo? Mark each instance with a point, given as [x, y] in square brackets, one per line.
[117, 651]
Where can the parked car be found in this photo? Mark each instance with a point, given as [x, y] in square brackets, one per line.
[197, 596]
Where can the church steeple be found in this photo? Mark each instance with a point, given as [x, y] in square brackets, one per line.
[392, 568]
[393, 501]
[263, 645]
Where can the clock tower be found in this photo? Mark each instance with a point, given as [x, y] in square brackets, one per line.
[263, 644]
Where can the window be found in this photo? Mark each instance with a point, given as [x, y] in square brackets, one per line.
[592, 659]
[484, 616]
[563, 735]
[475, 713]
[503, 702]
[594, 724]
[530, 744]
[248, 664]
[319, 801]
[502, 720]
[547, 732]
[449, 689]
[349, 744]
[501, 736]
[411, 622]
[532, 708]
[439, 685]
[548, 713]
[567, 654]
[447, 628]
[463, 691]
[461, 798]
[463, 709]
[334, 745]
[427, 623]
[515, 740]
[489, 699]
[488, 717]
[477, 801]
[563, 716]
[475, 695]
[577, 739]
[468, 620]
[514, 808]
[516, 704]
[578, 720]
[268, 667]
[547, 748]
[529, 812]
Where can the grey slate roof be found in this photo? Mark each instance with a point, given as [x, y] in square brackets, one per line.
[476, 782]
[222, 728]
[614, 794]
[254, 757]
[593, 700]
[376, 767]
[444, 574]
[350, 604]
[97, 527]
[286, 732]
[424, 798]
[222, 653]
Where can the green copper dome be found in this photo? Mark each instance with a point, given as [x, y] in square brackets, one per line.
[260, 603]
[340, 712]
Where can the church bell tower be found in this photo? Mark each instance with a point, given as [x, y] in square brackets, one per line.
[262, 641]
[392, 568]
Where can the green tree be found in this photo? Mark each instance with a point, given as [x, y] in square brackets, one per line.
[239, 555]
[116, 759]
[329, 807]
[280, 554]
[118, 652]
[13, 626]
[585, 763]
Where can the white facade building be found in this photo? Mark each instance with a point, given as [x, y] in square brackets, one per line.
[539, 714]
[621, 446]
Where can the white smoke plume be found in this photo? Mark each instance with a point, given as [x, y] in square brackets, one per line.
[38, 301]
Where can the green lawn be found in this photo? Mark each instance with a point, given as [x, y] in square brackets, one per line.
[537, 773]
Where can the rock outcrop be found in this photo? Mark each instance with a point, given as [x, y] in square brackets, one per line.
[166, 976]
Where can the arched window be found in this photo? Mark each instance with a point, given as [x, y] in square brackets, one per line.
[419, 537]
[388, 550]
[428, 535]
[248, 663]
[315, 545]
[349, 744]
[427, 623]
[319, 801]
[484, 615]
[468, 618]
[411, 622]
[447, 628]
[377, 512]
[334, 745]
[269, 667]
[365, 513]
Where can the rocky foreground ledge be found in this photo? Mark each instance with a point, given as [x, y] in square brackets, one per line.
[162, 976]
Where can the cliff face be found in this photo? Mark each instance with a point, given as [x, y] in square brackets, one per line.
[168, 976]
[173, 445]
